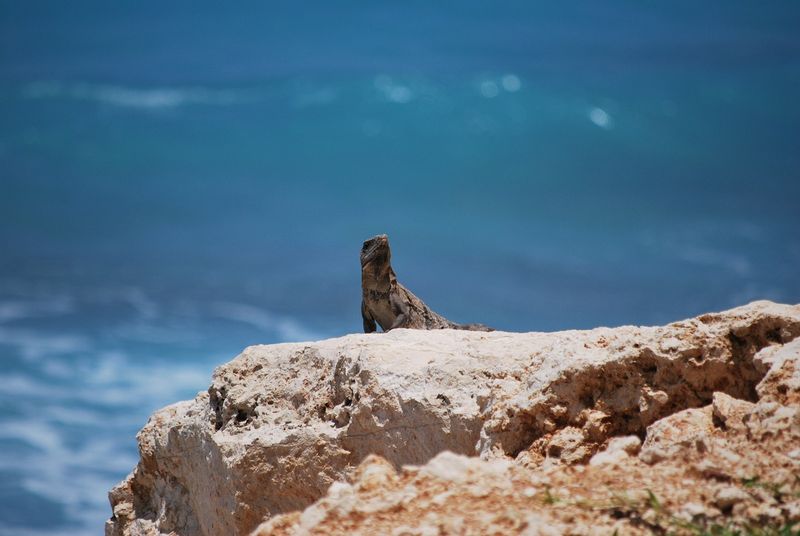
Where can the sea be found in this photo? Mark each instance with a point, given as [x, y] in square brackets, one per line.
[179, 180]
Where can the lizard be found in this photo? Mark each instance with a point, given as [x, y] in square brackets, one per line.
[386, 302]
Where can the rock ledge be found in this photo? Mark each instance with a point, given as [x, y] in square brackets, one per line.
[636, 429]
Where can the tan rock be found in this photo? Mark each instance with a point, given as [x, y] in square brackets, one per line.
[281, 424]
[730, 411]
[687, 429]
[782, 380]
[618, 451]
[727, 497]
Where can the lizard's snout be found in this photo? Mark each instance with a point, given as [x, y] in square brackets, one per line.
[377, 239]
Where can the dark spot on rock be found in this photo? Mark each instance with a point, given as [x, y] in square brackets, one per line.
[650, 369]
[706, 319]
[717, 422]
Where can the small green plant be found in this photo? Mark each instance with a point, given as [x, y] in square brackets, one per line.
[655, 504]
[549, 498]
[772, 487]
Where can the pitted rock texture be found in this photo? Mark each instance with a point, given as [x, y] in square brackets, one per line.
[281, 423]
[732, 467]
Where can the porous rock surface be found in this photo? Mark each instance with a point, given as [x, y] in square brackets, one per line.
[640, 429]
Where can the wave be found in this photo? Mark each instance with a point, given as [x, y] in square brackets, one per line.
[299, 95]
[287, 329]
[33, 344]
[143, 98]
[706, 243]
[18, 309]
[78, 441]
[78, 388]
[64, 473]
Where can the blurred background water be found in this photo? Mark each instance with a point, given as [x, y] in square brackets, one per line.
[179, 180]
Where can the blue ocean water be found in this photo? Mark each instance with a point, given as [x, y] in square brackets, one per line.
[180, 180]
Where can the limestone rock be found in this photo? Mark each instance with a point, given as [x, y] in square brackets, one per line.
[728, 496]
[451, 494]
[687, 429]
[730, 412]
[618, 451]
[781, 382]
[283, 426]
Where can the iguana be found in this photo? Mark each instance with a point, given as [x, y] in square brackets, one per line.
[390, 304]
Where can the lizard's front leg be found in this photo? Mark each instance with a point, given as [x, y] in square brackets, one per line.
[369, 322]
[400, 309]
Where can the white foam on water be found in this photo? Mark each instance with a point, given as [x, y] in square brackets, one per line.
[33, 344]
[286, 328]
[37, 434]
[143, 98]
[70, 416]
[708, 256]
[392, 91]
[701, 243]
[77, 471]
[77, 399]
[489, 89]
[601, 118]
[146, 307]
[400, 94]
[114, 385]
[511, 83]
[143, 331]
[21, 309]
[87, 530]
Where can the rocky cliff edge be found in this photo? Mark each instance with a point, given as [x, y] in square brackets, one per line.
[684, 428]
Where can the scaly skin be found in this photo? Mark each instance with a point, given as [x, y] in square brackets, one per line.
[388, 303]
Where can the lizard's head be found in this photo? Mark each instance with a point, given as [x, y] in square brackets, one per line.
[376, 250]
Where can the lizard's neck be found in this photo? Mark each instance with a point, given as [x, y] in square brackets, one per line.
[382, 279]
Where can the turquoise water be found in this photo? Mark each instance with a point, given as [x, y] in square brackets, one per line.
[179, 182]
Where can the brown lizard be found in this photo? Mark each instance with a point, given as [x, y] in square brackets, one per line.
[390, 304]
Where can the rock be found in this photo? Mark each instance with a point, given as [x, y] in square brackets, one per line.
[567, 445]
[619, 449]
[728, 496]
[283, 426]
[451, 494]
[691, 511]
[690, 428]
[792, 511]
[731, 412]
[781, 382]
